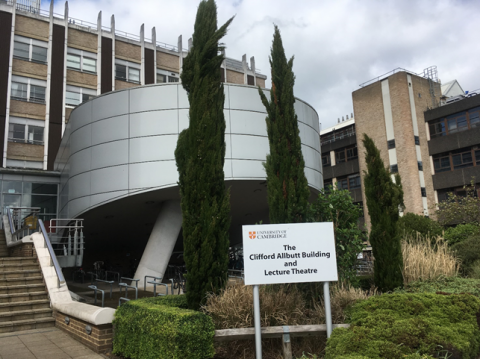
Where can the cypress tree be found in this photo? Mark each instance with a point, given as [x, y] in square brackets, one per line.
[200, 155]
[286, 182]
[384, 196]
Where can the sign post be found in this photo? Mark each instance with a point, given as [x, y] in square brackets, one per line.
[289, 253]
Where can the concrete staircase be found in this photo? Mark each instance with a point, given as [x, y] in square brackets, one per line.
[24, 302]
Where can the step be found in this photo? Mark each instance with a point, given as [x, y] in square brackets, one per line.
[22, 288]
[28, 324]
[19, 274]
[23, 297]
[8, 266]
[25, 314]
[21, 281]
[27, 305]
[18, 260]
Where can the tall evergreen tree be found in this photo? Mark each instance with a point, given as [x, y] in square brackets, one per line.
[200, 156]
[384, 197]
[286, 182]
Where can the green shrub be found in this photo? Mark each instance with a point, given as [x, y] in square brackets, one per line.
[154, 328]
[408, 325]
[451, 285]
[460, 233]
[178, 301]
[413, 226]
[468, 251]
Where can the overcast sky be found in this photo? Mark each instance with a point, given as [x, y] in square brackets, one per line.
[337, 44]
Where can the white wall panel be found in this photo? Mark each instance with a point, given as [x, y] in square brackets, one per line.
[153, 148]
[152, 174]
[79, 186]
[248, 169]
[81, 161]
[80, 117]
[81, 139]
[110, 154]
[97, 199]
[183, 120]
[110, 129]
[248, 122]
[110, 105]
[182, 98]
[154, 123]
[242, 97]
[151, 98]
[109, 179]
[250, 147]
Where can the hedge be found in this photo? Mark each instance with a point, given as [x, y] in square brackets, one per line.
[444, 285]
[157, 328]
[409, 326]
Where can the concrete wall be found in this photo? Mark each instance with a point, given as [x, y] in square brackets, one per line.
[122, 143]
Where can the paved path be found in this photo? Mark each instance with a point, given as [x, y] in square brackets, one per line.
[48, 343]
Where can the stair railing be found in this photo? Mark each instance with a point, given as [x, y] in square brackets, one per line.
[23, 221]
[53, 257]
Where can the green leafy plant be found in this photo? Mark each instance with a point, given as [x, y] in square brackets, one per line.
[408, 325]
[384, 198]
[449, 285]
[335, 205]
[153, 328]
[200, 156]
[468, 251]
[461, 209]
[454, 235]
[414, 226]
[286, 182]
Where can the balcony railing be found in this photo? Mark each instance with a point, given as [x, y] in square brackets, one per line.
[336, 137]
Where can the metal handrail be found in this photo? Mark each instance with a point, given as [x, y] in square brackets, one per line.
[58, 269]
[10, 222]
[95, 289]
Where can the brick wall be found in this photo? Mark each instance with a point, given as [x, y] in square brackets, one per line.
[127, 51]
[29, 69]
[68, 111]
[121, 85]
[167, 62]
[260, 82]
[81, 79]
[33, 28]
[27, 109]
[25, 151]
[82, 40]
[22, 250]
[100, 340]
[234, 77]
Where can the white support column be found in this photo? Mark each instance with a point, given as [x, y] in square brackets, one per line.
[49, 87]
[154, 42]
[142, 55]
[252, 66]
[332, 158]
[64, 92]
[180, 55]
[162, 240]
[112, 26]
[245, 67]
[99, 54]
[9, 85]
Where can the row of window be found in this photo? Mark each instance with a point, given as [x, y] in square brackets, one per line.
[453, 160]
[30, 49]
[341, 155]
[25, 134]
[27, 89]
[458, 122]
[347, 182]
[338, 135]
[459, 191]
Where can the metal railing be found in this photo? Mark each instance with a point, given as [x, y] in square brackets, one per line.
[334, 138]
[53, 257]
[23, 221]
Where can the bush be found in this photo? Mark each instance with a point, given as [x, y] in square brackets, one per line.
[415, 226]
[450, 285]
[468, 251]
[410, 325]
[421, 260]
[151, 328]
[454, 235]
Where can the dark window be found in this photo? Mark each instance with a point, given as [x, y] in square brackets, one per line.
[327, 184]
[39, 54]
[222, 74]
[19, 91]
[420, 166]
[37, 94]
[352, 153]
[340, 156]
[391, 144]
[326, 160]
[477, 157]
[424, 191]
[350, 182]
[417, 140]
[21, 50]
[35, 135]
[441, 164]
[354, 182]
[121, 72]
[346, 154]
[338, 134]
[16, 133]
[394, 168]
[437, 128]
[474, 117]
[462, 160]
[250, 80]
[457, 123]
[342, 183]
[173, 79]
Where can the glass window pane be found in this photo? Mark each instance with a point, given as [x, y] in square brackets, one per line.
[462, 123]
[48, 204]
[474, 117]
[43, 188]
[35, 135]
[161, 78]
[89, 65]
[72, 98]
[11, 200]
[120, 72]
[21, 50]
[477, 157]
[37, 94]
[39, 54]
[86, 97]
[19, 90]
[133, 75]
[73, 61]
[452, 126]
[173, 79]
[12, 187]
[16, 133]
[457, 160]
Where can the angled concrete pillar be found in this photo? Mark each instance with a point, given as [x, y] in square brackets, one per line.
[160, 245]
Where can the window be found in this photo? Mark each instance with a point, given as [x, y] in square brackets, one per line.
[391, 144]
[394, 168]
[166, 76]
[346, 154]
[27, 89]
[417, 140]
[327, 184]
[24, 130]
[326, 160]
[28, 49]
[474, 117]
[74, 95]
[420, 165]
[462, 158]
[455, 123]
[81, 60]
[437, 128]
[250, 80]
[127, 71]
[338, 135]
[424, 191]
[350, 182]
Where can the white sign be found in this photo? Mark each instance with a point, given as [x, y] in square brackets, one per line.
[289, 253]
